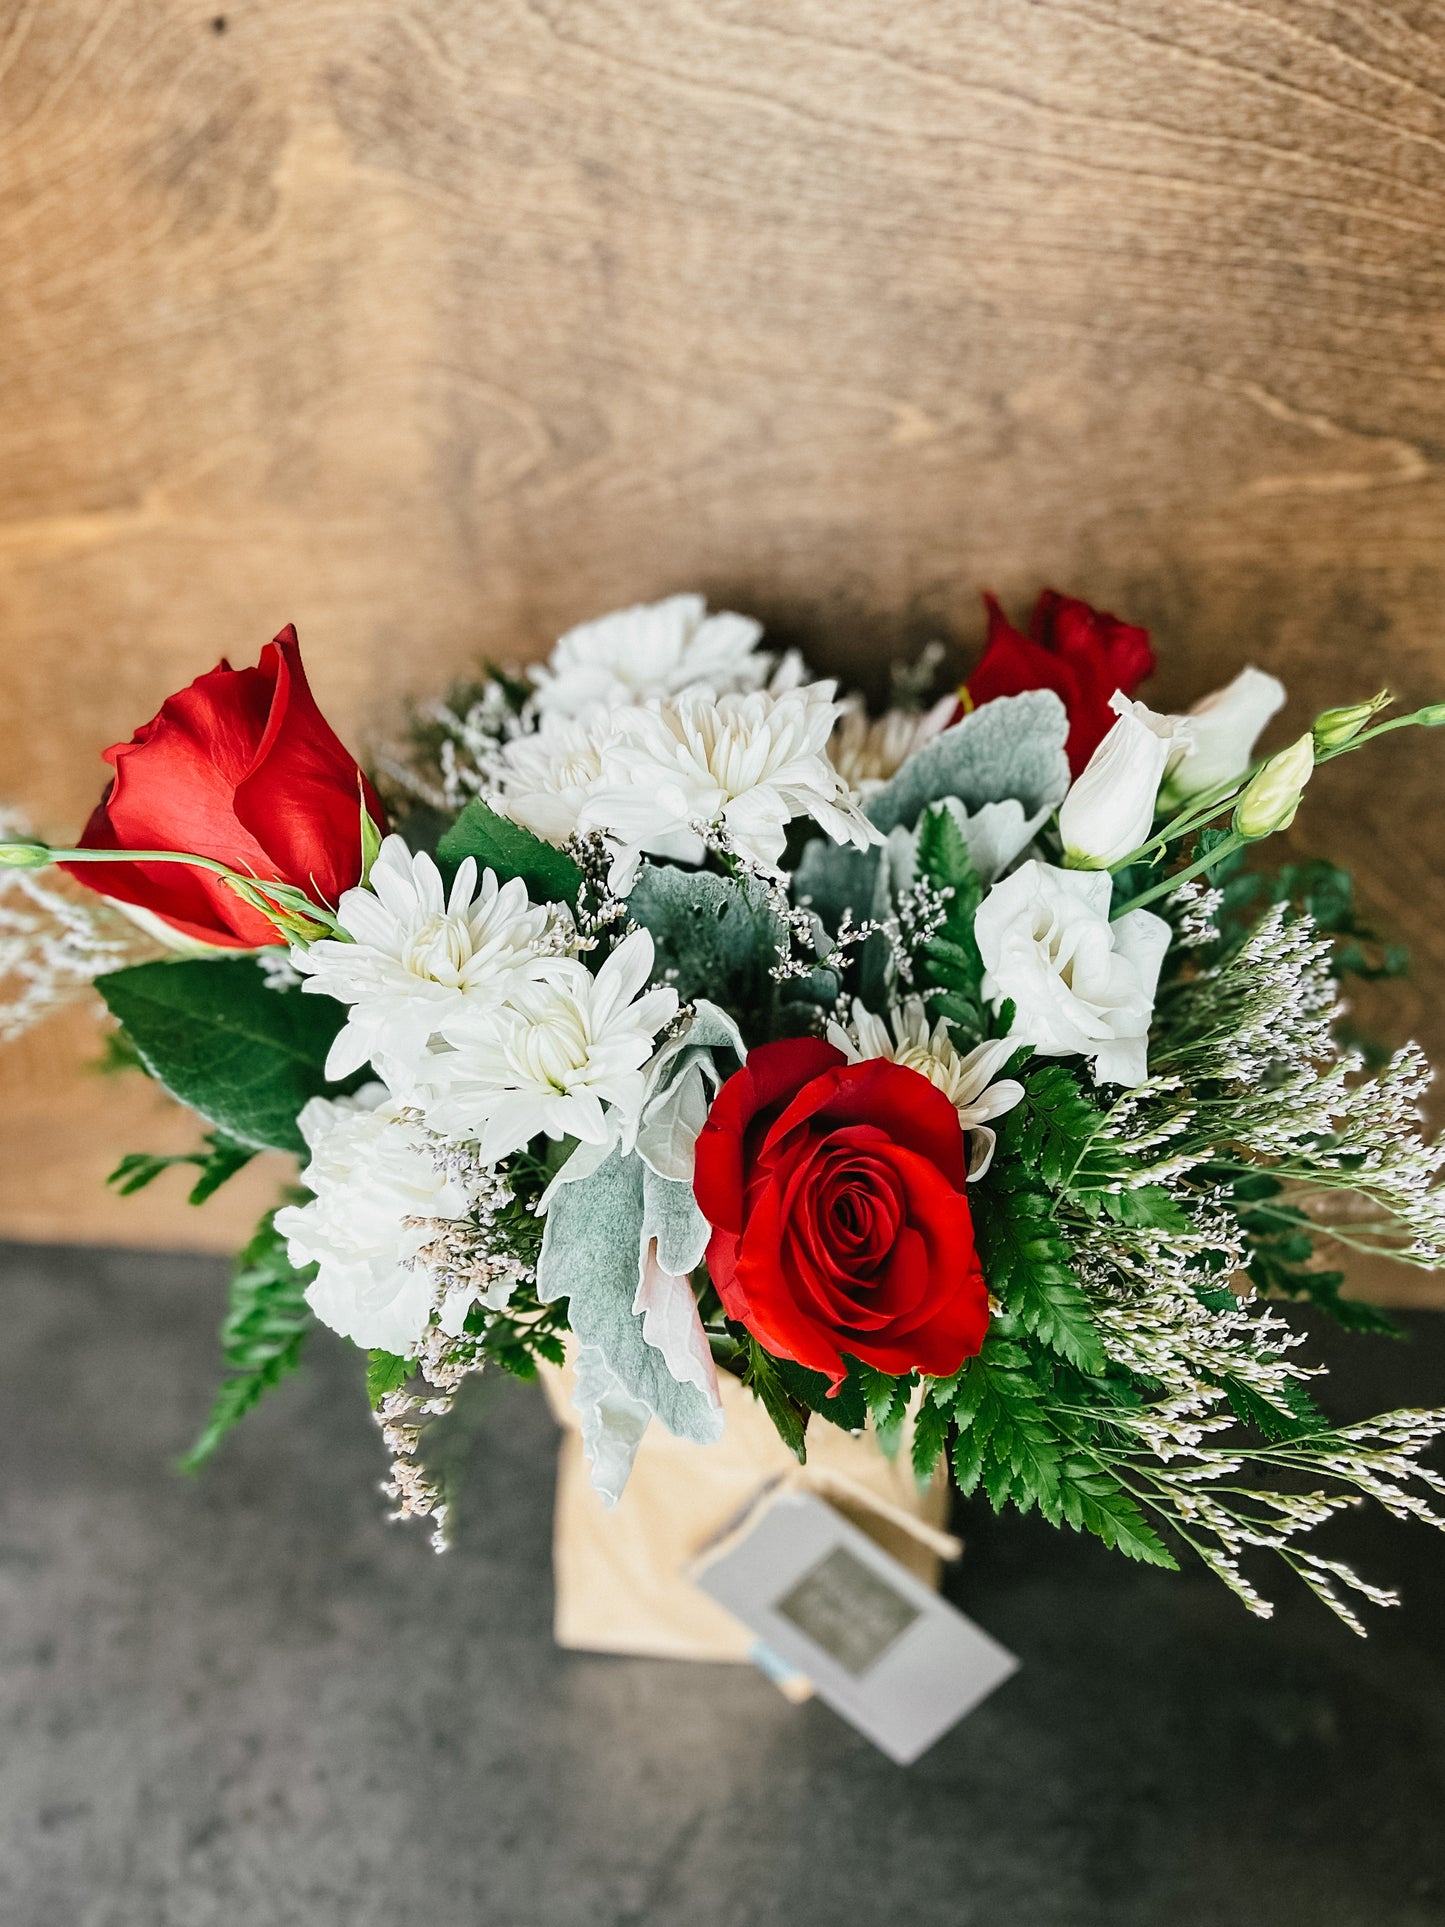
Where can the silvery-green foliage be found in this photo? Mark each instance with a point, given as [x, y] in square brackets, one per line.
[596, 1238]
[1012, 748]
[683, 1079]
[716, 937]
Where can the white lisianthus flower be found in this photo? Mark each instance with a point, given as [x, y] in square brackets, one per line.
[377, 1187]
[1109, 811]
[749, 764]
[419, 954]
[867, 754]
[657, 649]
[545, 780]
[968, 1081]
[1079, 983]
[1227, 725]
[553, 1055]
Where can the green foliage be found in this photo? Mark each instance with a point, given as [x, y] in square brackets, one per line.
[762, 1377]
[505, 847]
[715, 937]
[1296, 1419]
[117, 1054]
[246, 1057]
[1027, 1263]
[1090, 1499]
[1281, 1241]
[221, 1159]
[1326, 894]
[266, 1323]
[847, 1409]
[950, 967]
[385, 1372]
[1011, 748]
[930, 1438]
[1005, 1441]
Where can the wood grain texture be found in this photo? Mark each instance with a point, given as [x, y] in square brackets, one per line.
[437, 327]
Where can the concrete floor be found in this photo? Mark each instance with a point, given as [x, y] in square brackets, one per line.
[248, 1702]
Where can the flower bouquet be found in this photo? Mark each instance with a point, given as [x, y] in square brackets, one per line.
[953, 1076]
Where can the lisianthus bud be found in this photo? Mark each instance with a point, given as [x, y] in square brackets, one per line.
[1110, 809]
[1227, 724]
[1336, 727]
[1431, 716]
[1272, 795]
[24, 856]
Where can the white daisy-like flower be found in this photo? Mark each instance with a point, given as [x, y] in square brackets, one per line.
[749, 764]
[560, 1049]
[419, 955]
[968, 1082]
[867, 754]
[378, 1191]
[656, 649]
[546, 779]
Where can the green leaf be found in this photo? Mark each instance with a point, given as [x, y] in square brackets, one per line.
[762, 1377]
[715, 937]
[506, 848]
[1005, 1438]
[1296, 1420]
[221, 1159]
[245, 1057]
[1090, 1500]
[951, 966]
[847, 1410]
[930, 1435]
[1010, 748]
[266, 1323]
[1027, 1263]
[385, 1372]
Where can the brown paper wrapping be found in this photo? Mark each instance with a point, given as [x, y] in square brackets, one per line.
[621, 1584]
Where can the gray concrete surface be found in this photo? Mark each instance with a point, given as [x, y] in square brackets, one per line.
[248, 1702]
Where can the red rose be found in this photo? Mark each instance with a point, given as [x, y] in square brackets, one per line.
[1080, 653]
[840, 1223]
[241, 767]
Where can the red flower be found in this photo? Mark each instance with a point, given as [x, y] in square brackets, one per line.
[1080, 653]
[840, 1224]
[241, 767]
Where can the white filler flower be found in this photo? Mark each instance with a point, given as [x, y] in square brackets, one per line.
[420, 955]
[966, 1081]
[656, 649]
[378, 1192]
[748, 764]
[553, 1055]
[1079, 983]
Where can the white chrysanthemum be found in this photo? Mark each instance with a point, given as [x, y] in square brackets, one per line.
[657, 649]
[546, 779]
[419, 956]
[867, 754]
[747, 763]
[549, 1059]
[377, 1190]
[968, 1082]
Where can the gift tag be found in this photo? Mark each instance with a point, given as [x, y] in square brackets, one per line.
[826, 1603]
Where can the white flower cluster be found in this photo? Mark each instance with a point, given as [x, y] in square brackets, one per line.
[487, 1030]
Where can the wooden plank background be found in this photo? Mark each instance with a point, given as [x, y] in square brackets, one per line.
[435, 327]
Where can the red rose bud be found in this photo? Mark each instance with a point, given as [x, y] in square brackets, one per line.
[1080, 653]
[836, 1193]
[241, 767]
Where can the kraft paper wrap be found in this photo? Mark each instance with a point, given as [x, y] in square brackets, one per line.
[620, 1573]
